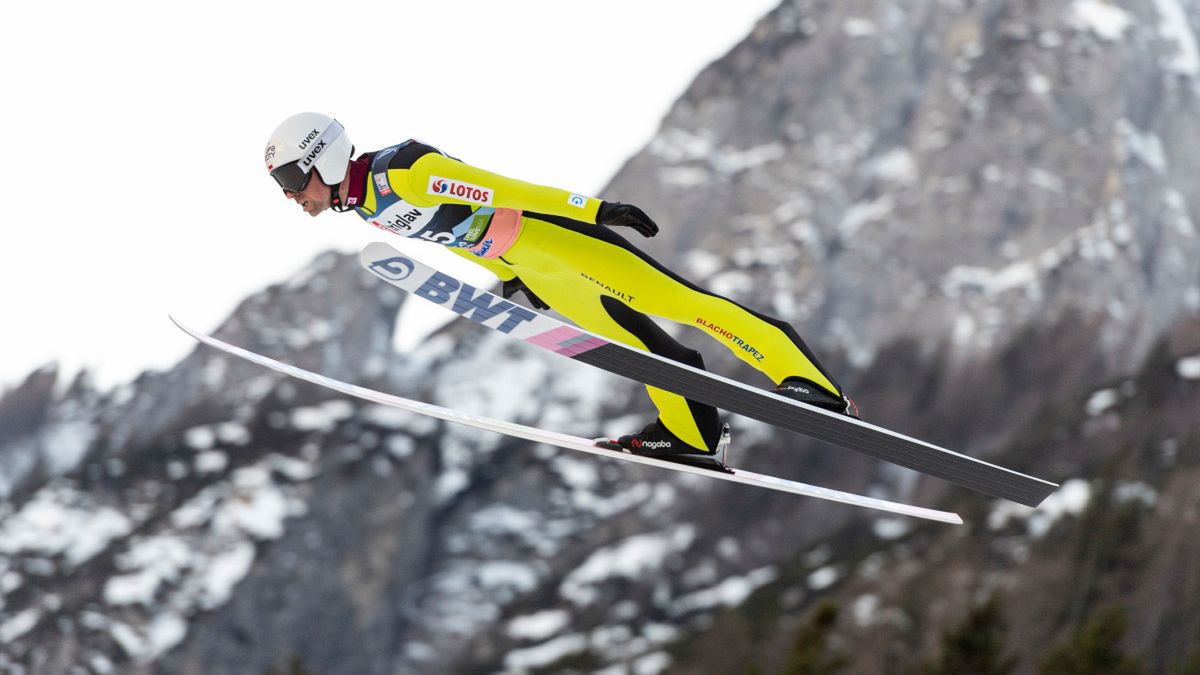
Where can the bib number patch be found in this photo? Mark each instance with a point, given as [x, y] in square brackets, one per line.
[403, 218]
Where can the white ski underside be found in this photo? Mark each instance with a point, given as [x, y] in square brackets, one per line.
[567, 441]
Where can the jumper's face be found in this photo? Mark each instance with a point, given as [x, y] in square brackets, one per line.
[315, 197]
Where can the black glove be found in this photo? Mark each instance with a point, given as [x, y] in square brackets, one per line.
[616, 214]
[515, 284]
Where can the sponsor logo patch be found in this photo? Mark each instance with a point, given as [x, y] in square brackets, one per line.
[618, 294]
[396, 269]
[381, 182]
[476, 305]
[478, 226]
[309, 138]
[312, 155]
[578, 201]
[733, 339]
[483, 249]
[459, 190]
[403, 218]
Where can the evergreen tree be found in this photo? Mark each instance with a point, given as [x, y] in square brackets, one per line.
[1095, 649]
[1190, 665]
[810, 652]
[294, 667]
[975, 646]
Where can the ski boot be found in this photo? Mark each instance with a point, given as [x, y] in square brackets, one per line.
[656, 441]
[800, 389]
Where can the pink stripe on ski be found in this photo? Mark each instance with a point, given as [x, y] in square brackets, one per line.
[582, 346]
[566, 340]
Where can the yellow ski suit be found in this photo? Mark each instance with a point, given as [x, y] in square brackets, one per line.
[548, 238]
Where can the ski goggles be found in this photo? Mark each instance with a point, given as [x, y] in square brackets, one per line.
[295, 175]
[291, 177]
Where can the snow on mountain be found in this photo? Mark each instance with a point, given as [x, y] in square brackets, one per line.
[1010, 186]
[1189, 368]
[954, 169]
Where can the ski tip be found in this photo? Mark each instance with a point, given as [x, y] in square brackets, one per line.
[373, 251]
[195, 334]
[180, 325]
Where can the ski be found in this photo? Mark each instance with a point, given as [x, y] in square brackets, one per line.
[567, 441]
[406, 272]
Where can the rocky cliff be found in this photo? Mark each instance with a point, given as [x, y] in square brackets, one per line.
[980, 213]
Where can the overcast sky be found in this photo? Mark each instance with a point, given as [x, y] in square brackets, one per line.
[133, 137]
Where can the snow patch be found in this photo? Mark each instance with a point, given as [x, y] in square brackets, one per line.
[164, 554]
[863, 609]
[1136, 491]
[1039, 84]
[858, 27]
[18, 625]
[732, 283]
[506, 575]
[146, 643]
[890, 529]
[1101, 401]
[200, 438]
[211, 461]
[729, 161]
[1144, 145]
[66, 444]
[1173, 26]
[605, 507]
[578, 474]
[1178, 214]
[539, 625]
[449, 483]
[823, 578]
[1070, 499]
[862, 213]
[132, 589]
[214, 585]
[683, 176]
[214, 371]
[323, 417]
[1108, 22]
[896, 165]
[258, 507]
[62, 521]
[389, 417]
[630, 558]
[652, 663]
[703, 264]
[1188, 368]
[233, 433]
[729, 593]
[546, 653]
[293, 469]
[990, 283]
[1045, 180]
[400, 446]
[676, 145]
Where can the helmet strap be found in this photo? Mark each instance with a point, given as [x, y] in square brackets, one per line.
[335, 198]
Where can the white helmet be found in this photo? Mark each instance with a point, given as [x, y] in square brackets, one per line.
[304, 142]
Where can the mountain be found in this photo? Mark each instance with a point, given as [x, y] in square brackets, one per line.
[979, 214]
[941, 170]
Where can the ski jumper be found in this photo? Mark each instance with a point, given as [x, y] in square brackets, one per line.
[549, 239]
